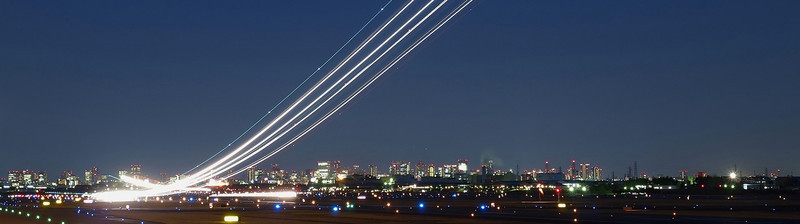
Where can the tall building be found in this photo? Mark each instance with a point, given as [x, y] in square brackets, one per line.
[450, 170]
[584, 175]
[92, 175]
[323, 173]
[572, 170]
[462, 166]
[41, 178]
[136, 171]
[420, 169]
[373, 170]
[68, 179]
[251, 175]
[15, 178]
[336, 166]
[399, 168]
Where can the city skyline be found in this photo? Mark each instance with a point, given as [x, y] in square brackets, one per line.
[575, 169]
[684, 85]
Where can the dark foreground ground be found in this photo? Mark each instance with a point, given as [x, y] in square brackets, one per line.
[622, 209]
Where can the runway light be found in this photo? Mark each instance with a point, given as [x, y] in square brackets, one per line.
[335, 209]
[58, 201]
[421, 205]
[46, 203]
[562, 205]
[231, 218]
[277, 206]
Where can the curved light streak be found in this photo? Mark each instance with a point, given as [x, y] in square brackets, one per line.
[284, 126]
[352, 96]
[294, 90]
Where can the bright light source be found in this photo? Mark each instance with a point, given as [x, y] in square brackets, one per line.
[421, 205]
[58, 201]
[277, 206]
[46, 203]
[562, 205]
[231, 218]
[88, 201]
[362, 197]
[733, 175]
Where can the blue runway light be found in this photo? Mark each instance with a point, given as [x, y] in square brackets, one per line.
[421, 205]
[335, 208]
[277, 206]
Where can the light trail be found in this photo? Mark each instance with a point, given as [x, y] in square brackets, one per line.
[385, 69]
[280, 194]
[247, 155]
[316, 98]
[205, 172]
[294, 90]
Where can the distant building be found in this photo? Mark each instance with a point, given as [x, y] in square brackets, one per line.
[136, 171]
[92, 175]
[323, 173]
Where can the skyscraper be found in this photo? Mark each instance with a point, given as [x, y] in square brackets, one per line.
[92, 175]
[136, 171]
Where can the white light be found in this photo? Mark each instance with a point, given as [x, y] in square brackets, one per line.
[733, 175]
[231, 218]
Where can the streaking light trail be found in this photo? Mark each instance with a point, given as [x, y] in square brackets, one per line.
[390, 42]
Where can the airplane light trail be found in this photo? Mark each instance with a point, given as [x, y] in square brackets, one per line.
[293, 91]
[336, 86]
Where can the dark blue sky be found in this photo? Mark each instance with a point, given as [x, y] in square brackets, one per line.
[697, 85]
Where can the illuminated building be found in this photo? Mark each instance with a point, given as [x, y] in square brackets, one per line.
[323, 173]
[373, 170]
[420, 169]
[92, 175]
[136, 171]
[251, 175]
[68, 179]
[399, 168]
[462, 166]
[14, 178]
[449, 170]
[336, 166]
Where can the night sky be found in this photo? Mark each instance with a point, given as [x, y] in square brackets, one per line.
[674, 85]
